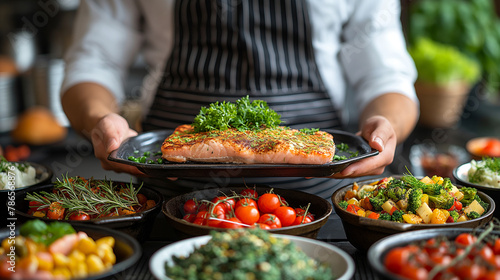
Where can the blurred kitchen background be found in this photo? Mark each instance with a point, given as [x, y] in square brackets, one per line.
[454, 43]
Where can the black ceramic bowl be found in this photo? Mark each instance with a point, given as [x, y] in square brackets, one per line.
[377, 252]
[43, 177]
[127, 249]
[321, 208]
[138, 225]
[362, 232]
[461, 176]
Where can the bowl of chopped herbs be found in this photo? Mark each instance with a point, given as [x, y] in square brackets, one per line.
[373, 209]
[127, 207]
[261, 255]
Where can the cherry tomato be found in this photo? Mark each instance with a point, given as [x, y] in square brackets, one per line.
[268, 202]
[247, 202]
[232, 223]
[190, 206]
[397, 259]
[215, 218]
[200, 221]
[262, 226]
[469, 270]
[301, 220]
[496, 246]
[247, 214]
[465, 239]
[300, 212]
[202, 214]
[250, 193]
[228, 203]
[270, 220]
[286, 215]
[56, 211]
[414, 273]
[189, 217]
[79, 216]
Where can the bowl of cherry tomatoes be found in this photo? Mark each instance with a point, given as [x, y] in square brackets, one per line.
[278, 210]
[441, 253]
[128, 207]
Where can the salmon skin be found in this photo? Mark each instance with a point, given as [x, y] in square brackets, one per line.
[281, 145]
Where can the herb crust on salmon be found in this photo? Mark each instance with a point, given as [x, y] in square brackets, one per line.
[277, 145]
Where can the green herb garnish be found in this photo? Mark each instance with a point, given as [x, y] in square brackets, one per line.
[41, 232]
[309, 131]
[242, 115]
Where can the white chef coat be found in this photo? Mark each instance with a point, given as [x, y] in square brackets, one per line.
[358, 45]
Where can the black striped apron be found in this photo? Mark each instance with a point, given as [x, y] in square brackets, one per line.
[228, 49]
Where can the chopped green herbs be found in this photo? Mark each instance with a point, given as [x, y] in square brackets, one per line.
[147, 157]
[309, 131]
[247, 254]
[343, 147]
[242, 115]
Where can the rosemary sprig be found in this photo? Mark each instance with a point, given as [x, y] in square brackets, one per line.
[94, 197]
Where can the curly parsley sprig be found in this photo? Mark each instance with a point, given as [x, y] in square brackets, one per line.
[242, 115]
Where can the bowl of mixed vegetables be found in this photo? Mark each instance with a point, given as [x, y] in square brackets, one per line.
[128, 207]
[277, 210]
[373, 209]
[251, 254]
[441, 253]
[58, 250]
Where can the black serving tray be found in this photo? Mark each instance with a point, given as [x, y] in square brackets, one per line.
[152, 141]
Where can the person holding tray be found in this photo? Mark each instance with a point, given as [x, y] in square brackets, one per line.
[300, 56]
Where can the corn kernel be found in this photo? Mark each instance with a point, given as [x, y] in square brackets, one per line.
[61, 273]
[107, 240]
[105, 252]
[60, 260]
[86, 245]
[78, 270]
[76, 256]
[45, 261]
[94, 264]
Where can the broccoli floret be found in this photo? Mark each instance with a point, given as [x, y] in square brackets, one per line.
[443, 200]
[447, 185]
[343, 204]
[378, 200]
[469, 195]
[397, 216]
[454, 214]
[414, 200]
[396, 192]
[431, 189]
[473, 215]
[385, 216]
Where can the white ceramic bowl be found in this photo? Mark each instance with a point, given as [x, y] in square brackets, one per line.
[341, 263]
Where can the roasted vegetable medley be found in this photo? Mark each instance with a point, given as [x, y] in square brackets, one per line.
[410, 200]
[247, 254]
[77, 198]
[54, 251]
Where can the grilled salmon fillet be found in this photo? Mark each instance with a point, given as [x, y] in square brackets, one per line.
[281, 145]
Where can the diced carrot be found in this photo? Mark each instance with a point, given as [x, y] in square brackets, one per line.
[373, 215]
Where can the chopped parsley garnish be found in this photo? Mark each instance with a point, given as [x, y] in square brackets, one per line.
[242, 115]
[343, 147]
[309, 131]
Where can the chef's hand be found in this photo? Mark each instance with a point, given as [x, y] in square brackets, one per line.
[106, 136]
[381, 136]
